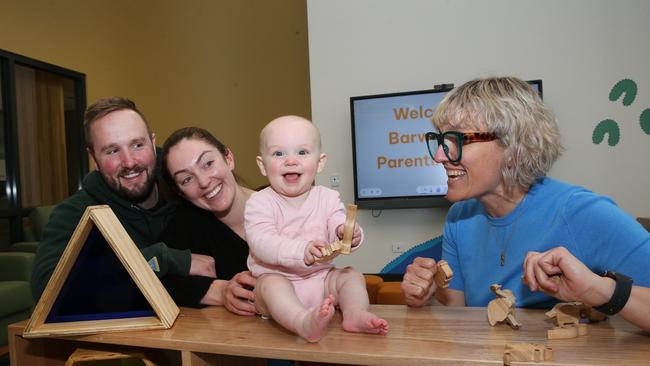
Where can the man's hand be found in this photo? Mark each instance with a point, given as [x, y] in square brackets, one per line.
[238, 294]
[418, 284]
[202, 265]
[313, 252]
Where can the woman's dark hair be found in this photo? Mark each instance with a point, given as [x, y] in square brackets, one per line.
[190, 133]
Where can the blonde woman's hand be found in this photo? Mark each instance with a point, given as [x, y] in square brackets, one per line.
[560, 274]
[418, 284]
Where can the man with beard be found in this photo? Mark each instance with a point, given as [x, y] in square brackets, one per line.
[123, 149]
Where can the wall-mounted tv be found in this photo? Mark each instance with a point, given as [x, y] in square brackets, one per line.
[392, 166]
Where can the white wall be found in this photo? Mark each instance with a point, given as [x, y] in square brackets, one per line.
[580, 49]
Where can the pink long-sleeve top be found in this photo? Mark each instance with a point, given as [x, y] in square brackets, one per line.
[278, 233]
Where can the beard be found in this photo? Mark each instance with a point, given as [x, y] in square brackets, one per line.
[136, 194]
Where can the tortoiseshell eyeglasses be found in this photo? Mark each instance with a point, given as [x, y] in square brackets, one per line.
[452, 142]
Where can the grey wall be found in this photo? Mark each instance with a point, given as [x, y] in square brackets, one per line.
[580, 49]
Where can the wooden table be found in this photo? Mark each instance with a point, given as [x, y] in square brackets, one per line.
[424, 336]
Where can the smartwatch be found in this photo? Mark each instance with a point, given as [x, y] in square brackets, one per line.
[620, 296]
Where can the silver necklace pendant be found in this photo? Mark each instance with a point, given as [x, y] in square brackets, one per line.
[502, 252]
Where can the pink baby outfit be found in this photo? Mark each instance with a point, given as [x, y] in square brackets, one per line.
[278, 234]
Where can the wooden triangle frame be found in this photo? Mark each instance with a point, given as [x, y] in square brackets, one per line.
[138, 269]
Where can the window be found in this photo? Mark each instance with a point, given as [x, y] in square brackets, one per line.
[42, 156]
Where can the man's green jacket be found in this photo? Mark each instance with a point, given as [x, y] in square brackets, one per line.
[144, 227]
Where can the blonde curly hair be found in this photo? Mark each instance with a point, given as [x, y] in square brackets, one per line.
[510, 108]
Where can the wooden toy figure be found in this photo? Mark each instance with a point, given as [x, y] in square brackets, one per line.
[526, 352]
[566, 317]
[502, 308]
[443, 274]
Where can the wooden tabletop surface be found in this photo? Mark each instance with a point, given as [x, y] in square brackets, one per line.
[417, 336]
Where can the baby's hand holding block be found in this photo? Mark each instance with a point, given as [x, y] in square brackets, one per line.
[343, 246]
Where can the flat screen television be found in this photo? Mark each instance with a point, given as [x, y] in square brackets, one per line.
[392, 166]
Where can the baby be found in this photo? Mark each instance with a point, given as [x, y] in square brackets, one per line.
[287, 224]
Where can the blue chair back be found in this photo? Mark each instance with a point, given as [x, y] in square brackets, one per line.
[431, 248]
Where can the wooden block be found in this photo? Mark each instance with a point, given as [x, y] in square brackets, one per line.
[566, 313]
[343, 246]
[101, 283]
[566, 317]
[498, 310]
[562, 332]
[510, 319]
[566, 332]
[506, 294]
[572, 312]
[522, 352]
[443, 274]
[348, 229]
[502, 309]
[329, 252]
[583, 329]
[81, 356]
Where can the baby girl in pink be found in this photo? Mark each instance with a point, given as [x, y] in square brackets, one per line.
[287, 224]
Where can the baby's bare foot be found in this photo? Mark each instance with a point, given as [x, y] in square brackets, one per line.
[315, 322]
[363, 321]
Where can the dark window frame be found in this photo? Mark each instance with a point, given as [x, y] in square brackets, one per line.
[8, 60]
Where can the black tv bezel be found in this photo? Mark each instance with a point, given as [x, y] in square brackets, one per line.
[538, 83]
[400, 202]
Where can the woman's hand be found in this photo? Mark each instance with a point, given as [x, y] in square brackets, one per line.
[238, 294]
[418, 284]
[202, 265]
[560, 274]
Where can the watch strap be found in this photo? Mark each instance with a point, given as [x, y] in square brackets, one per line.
[620, 296]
